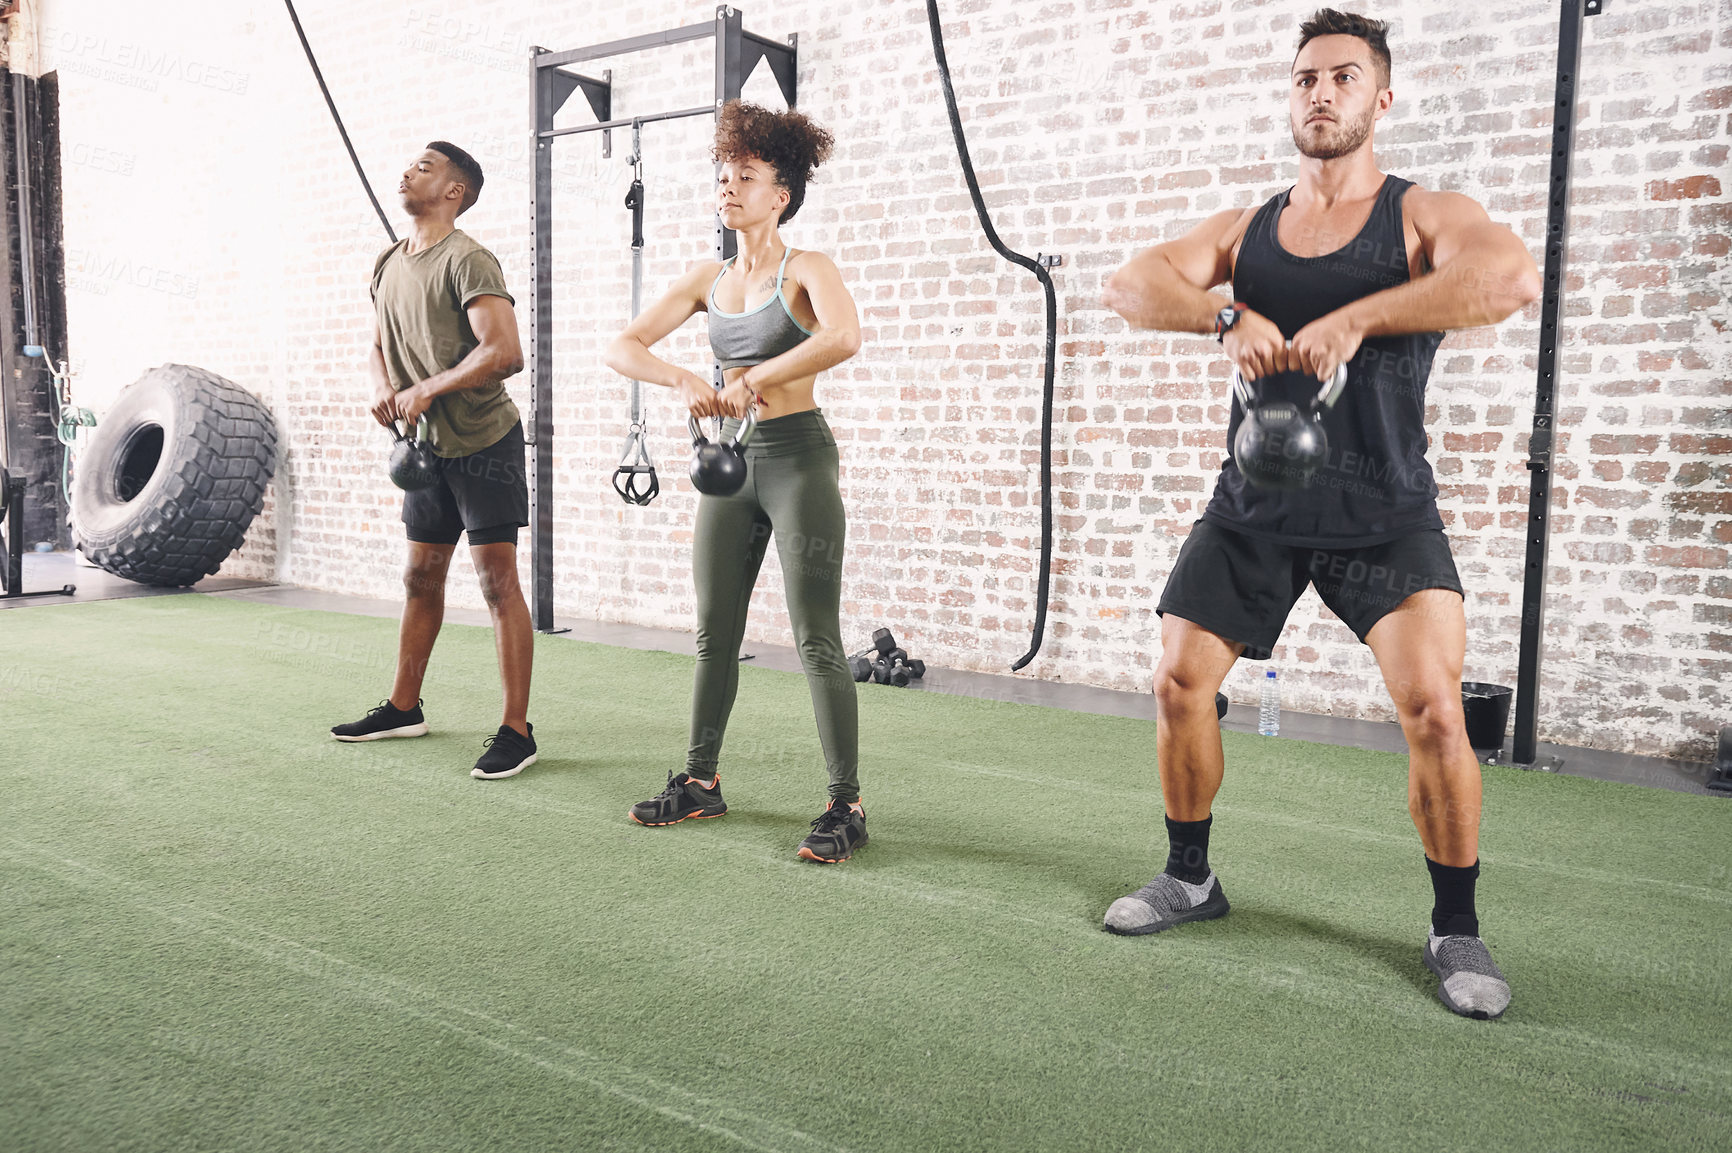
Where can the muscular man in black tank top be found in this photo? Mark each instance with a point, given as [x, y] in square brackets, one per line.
[1353, 267]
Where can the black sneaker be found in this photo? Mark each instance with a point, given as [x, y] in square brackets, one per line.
[508, 753]
[838, 831]
[681, 799]
[385, 721]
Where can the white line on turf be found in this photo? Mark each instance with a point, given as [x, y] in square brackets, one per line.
[1334, 988]
[606, 1074]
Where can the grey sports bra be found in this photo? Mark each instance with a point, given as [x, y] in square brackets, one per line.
[738, 339]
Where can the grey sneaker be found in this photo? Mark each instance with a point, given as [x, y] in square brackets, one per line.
[1164, 902]
[1469, 981]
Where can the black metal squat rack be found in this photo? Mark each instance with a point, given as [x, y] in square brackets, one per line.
[738, 52]
[1525, 750]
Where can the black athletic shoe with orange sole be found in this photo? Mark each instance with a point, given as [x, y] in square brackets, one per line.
[838, 831]
[682, 798]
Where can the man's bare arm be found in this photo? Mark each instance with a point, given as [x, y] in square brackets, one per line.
[496, 356]
[384, 406]
[1166, 287]
[1481, 273]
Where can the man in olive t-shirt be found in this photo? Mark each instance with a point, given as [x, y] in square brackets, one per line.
[445, 338]
[421, 301]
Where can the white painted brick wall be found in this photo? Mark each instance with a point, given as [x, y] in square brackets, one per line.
[1097, 129]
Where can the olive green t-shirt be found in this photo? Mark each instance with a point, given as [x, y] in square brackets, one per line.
[421, 300]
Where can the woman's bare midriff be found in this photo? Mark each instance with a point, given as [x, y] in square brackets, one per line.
[781, 399]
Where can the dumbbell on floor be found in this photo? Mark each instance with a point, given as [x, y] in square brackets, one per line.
[886, 673]
[882, 657]
[860, 664]
[886, 663]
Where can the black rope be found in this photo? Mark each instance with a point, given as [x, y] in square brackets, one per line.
[331, 104]
[1035, 267]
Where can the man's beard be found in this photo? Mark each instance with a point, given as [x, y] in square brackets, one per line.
[1337, 140]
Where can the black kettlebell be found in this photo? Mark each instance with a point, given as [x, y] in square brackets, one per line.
[1280, 444]
[719, 465]
[413, 465]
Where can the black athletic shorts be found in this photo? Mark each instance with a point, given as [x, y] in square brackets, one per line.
[485, 493]
[1241, 588]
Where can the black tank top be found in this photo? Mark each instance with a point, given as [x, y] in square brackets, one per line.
[1376, 484]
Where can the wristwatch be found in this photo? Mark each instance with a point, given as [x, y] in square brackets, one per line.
[1227, 318]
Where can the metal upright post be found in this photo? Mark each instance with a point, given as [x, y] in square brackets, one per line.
[730, 45]
[542, 105]
[1540, 442]
[730, 48]
[12, 546]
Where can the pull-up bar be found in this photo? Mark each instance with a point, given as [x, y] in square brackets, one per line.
[628, 121]
[738, 52]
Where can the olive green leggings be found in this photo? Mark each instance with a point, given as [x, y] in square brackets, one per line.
[790, 492]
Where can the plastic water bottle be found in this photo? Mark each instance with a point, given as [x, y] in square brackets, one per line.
[1269, 707]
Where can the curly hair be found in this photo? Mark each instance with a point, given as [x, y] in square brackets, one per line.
[787, 141]
[1375, 33]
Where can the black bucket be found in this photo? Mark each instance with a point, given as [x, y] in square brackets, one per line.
[1486, 709]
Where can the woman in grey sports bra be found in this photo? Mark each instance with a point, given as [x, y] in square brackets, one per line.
[777, 318]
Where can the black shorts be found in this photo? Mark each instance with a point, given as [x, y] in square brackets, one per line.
[485, 493]
[1241, 588]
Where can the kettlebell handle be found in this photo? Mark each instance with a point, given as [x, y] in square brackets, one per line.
[1327, 395]
[743, 434]
[420, 429]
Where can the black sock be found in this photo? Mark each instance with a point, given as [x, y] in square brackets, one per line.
[1188, 852]
[1452, 915]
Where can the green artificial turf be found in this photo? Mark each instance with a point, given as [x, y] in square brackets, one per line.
[224, 931]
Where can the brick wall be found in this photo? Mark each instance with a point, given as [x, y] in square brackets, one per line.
[1097, 129]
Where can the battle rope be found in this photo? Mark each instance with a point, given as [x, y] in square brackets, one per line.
[344, 132]
[1040, 272]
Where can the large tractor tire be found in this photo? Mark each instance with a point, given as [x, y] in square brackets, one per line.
[173, 476]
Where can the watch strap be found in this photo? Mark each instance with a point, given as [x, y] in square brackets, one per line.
[1238, 308]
